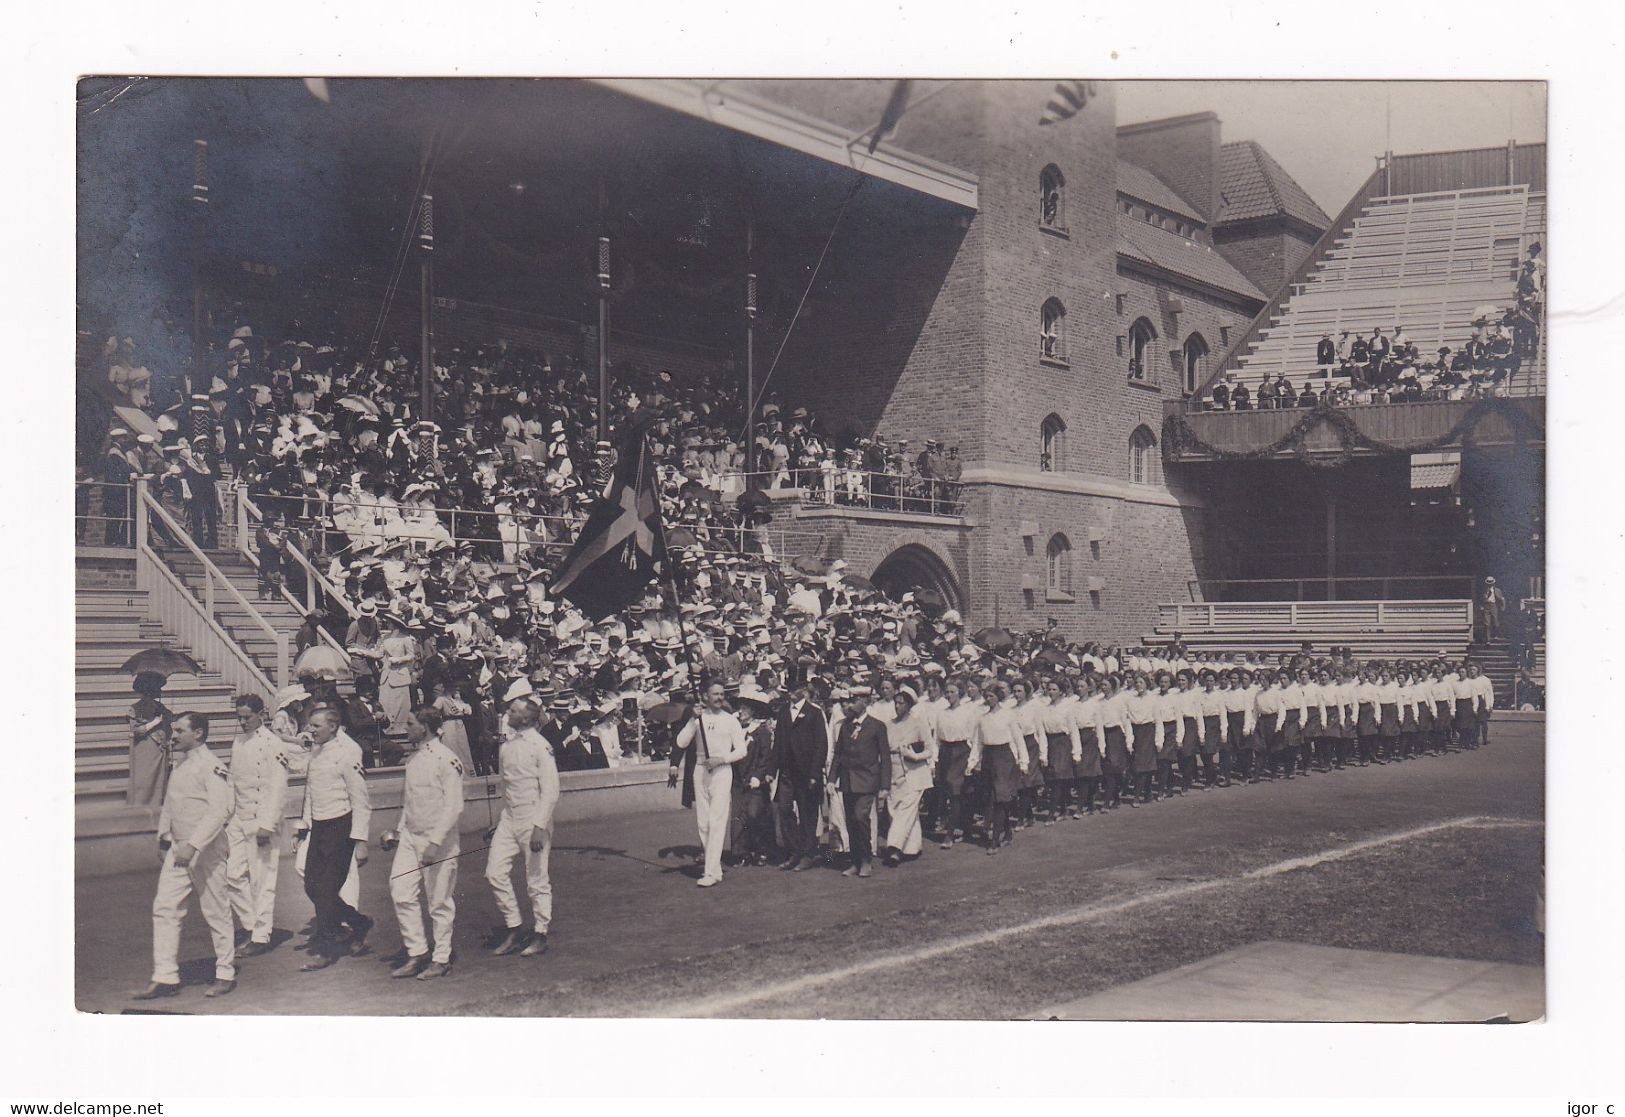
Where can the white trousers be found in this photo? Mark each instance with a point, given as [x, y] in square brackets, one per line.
[512, 840]
[251, 871]
[903, 806]
[206, 876]
[351, 892]
[410, 879]
[713, 793]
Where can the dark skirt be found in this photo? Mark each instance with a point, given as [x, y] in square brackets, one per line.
[1003, 776]
[1170, 742]
[1424, 717]
[1441, 714]
[1117, 758]
[1089, 767]
[1193, 733]
[952, 757]
[1367, 725]
[1291, 735]
[1388, 721]
[1035, 763]
[1267, 736]
[1237, 720]
[1407, 720]
[1060, 756]
[1213, 730]
[1466, 719]
[1314, 729]
[1145, 746]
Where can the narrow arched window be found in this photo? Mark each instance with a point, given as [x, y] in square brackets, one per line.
[1140, 337]
[1052, 451]
[1144, 466]
[1052, 331]
[1058, 565]
[1196, 355]
[1052, 198]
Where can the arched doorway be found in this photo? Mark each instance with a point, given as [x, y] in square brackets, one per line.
[913, 567]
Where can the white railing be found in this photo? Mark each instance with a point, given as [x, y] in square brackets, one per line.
[874, 492]
[171, 605]
[246, 513]
[1440, 615]
[213, 582]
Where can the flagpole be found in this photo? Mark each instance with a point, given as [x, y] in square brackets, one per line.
[750, 356]
[603, 314]
[200, 231]
[426, 308]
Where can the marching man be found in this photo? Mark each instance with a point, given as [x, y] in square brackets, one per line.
[530, 792]
[427, 847]
[192, 840]
[719, 740]
[259, 785]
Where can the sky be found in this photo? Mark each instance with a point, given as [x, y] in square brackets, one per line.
[1293, 120]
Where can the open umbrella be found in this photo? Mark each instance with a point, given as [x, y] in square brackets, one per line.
[162, 661]
[1053, 657]
[993, 639]
[754, 500]
[667, 713]
[693, 490]
[812, 567]
[1486, 311]
[857, 582]
[680, 537]
[359, 404]
[324, 662]
[929, 600]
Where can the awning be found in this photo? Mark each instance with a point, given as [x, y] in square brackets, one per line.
[1435, 475]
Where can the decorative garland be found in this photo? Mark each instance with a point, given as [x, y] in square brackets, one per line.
[1179, 438]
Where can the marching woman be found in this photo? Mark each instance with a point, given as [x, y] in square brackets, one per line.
[1466, 716]
[1314, 722]
[1269, 704]
[1294, 712]
[1409, 725]
[1331, 720]
[1029, 707]
[1215, 743]
[1366, 725]
[1171, 735]
[1190, 705]
[1062, 748]
[956, 727]
[1144, 711]
[995, 744]
[1387, 716]
[1240, 716]
[1088, 719]
[1116, 760]
[1484, 695]
[1426, 725]
[1444, 708]
[1258, 745]
[1348, 692]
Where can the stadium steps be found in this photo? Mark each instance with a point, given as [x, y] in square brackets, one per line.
[238, 623]
[111, 626]
[1364, 645]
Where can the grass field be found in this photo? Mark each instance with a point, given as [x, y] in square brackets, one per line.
[1461, 892]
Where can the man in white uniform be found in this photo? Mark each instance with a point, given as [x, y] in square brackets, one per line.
[530, 794]
[192, 840]
[259, 785]
[720, 739]
[428, 847]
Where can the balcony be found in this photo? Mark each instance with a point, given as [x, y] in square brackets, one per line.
[1191, 436]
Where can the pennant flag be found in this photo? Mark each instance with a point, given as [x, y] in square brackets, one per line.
[1067, 101]
[896, 105]
[622, 546]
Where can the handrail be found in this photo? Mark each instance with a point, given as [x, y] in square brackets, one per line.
[1300, 274]
[248, 512]
[211, 574]
[1201, 586]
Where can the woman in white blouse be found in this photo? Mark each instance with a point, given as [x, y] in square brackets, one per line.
[1326, 744]
[1240, 717]
[1444, 708]
[997, 739]
[1294, 713]
[1062, 747]
[1215, 748]
[1387, 716]
[1409, 726]
[1170, 723]
[1190, 708]
[1029, 707]
[1117, 759]
[1142, 709]
[1366, 724]
[1087, 717]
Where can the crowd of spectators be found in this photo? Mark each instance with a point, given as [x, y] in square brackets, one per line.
[1386, 366]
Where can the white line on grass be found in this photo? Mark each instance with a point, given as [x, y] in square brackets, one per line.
[731, 1002]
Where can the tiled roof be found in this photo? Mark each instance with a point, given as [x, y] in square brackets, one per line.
[1137, 182]
[1172, 252]
[1435, 476]
[1252, 184]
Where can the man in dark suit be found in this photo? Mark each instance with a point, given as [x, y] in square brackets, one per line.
[1325, 351]
[861, 770]
[803, 739]
[750, 833]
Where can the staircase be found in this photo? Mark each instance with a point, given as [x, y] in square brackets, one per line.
[237, 622]
[111, 626]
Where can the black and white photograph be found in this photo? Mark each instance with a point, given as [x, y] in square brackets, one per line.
[581, 547]
[1037, 572]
